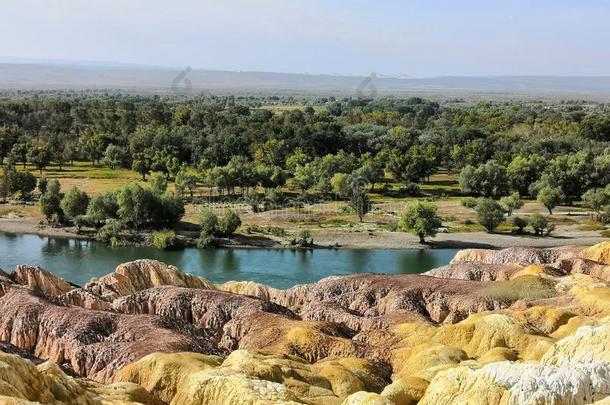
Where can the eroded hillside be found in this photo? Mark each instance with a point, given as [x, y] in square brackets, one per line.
[514, 326]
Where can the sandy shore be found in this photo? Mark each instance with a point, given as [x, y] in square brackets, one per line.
[360, 240]
[33, 227]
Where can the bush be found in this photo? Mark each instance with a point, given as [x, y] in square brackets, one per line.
[164, 240]
[103, 207]
[206, 241]
[158, 182]
[470, 202]
[81, 221]
[274, 198]
[20, 182]
[304, 239]
[541, 225]
[208, 220]
[50, 201]
[489, 214]
[42, 185]
[74, 203]
[304, 234]
[520, 223]
[596, 200]
[228, 223]
[138, 207]
[410, 189]
[111, 230]
[253, 200]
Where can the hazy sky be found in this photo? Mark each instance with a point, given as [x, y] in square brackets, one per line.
[416, 37]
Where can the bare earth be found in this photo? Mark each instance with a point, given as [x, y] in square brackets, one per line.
[399, 240]
[362, 239]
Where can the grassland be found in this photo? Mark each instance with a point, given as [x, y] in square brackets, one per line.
[331, 222]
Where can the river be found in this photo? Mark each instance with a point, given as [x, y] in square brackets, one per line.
[78, 261]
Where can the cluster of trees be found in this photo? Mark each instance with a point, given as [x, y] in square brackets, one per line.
[14, 182]
[561, 179]
[131, 208]
[490, 214]
[213, 226]
[234, 143]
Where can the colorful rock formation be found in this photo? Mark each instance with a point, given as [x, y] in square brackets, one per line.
[514, 326]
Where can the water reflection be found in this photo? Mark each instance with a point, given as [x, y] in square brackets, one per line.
[80, 260]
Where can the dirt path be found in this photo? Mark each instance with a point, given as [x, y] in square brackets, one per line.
[399, 240]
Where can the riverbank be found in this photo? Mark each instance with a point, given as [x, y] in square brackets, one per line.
[326, 238]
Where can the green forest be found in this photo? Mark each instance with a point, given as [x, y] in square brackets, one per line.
[322, 147]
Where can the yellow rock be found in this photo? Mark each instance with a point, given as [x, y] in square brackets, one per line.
[366, 398]
[498, 354]
[166, 374]
[531, 270]
[248, 288]
[572, 325]
[204, 388]
[594, 301]
[21, 382]
[351, 375]
[587, 344]
[519, 383]
[479, 333]
[546, 319]
[406, 390]
[599, 253]
[424, 360]
[244, 377]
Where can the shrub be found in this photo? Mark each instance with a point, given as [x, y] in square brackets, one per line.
[541, 225]
[208, 220]
[50, 201]
[42, 185]
[410, 189]
[82, 220]
[74, 203]
[20, 182]
[228, 223]
[164, 240]
[304, 234]
[596, 200]
[489, 214]
[102, 207]
[470, 202]
[304, 239]
[158, 182]
[206, 241]
[253, 200]
[520, 223]
[274, 198]
[111, 230]
[138, 207]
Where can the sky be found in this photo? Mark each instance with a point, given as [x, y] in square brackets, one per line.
[416, 38]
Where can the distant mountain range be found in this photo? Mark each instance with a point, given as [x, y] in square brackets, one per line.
[144, 79]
